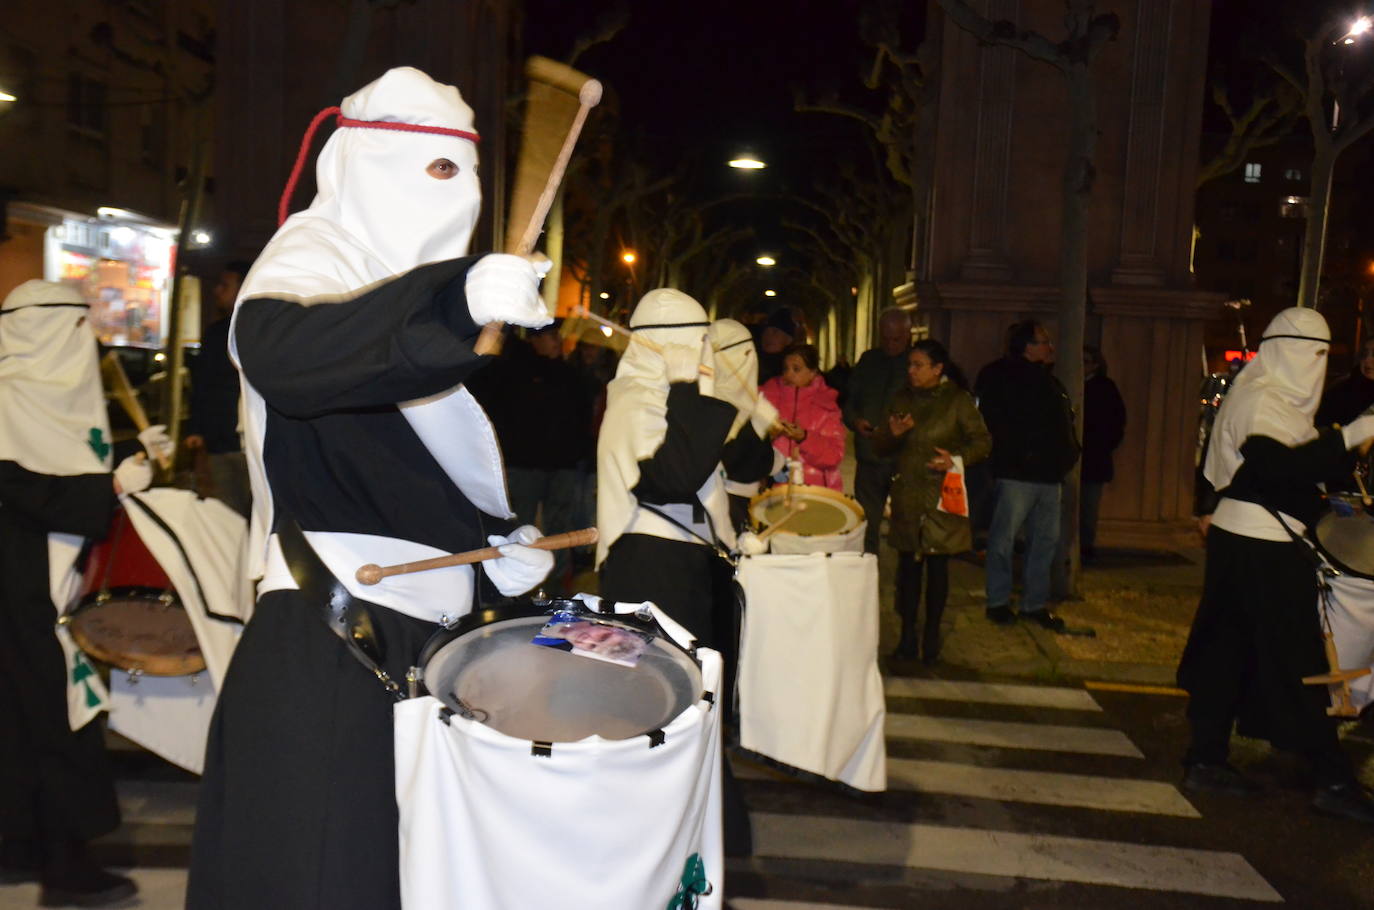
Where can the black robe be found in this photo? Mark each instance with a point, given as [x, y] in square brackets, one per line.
[55, 785]
[297, 806]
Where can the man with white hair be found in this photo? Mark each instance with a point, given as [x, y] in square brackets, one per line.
[1257, 632]
[877, 376]
[354, 332]
[56, 492]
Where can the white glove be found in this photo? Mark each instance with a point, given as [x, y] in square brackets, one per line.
[1358, 430]
[519, 568]
[749, 544]
[505, 288]
[157, 442]
[133, 474]
[764, 417]
[681, 363]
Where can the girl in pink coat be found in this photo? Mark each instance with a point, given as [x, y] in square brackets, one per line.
[813, 432]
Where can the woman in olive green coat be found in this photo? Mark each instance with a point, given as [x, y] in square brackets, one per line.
[928, 423]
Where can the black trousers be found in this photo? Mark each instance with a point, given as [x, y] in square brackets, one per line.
[1256, 634]
[298, 802]
[933, 569]
[56, 785]
[872, 482]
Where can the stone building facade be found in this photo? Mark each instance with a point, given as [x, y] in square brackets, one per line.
[993, 245]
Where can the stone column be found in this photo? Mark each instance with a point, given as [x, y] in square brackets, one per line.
[1139, 255]
[995, 100]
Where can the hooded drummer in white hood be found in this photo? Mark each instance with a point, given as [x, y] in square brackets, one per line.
[56, 491]
[354, 332]
[1257, 632]
[661, 508]
[749, 455]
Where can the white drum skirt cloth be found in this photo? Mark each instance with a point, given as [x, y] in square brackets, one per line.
[201, 550]
[1352, 629]
[810, 692]
[596, 824]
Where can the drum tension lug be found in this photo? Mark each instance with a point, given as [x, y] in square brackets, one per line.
[656, 738]
[444, 714]
[541, 749]
[708, 697]
[135, 675]
[413, 682]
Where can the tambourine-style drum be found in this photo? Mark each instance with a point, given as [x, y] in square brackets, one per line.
[831, 522]
[489, 668]
[129, 615]
[1345, 535]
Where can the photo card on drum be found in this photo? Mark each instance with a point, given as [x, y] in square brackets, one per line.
[595, 638]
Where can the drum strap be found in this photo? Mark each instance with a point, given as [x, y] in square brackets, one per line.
[714, 543]
[345, 615]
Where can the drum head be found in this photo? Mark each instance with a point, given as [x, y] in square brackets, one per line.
[140, 629]
[827, 511]
[1348, 541]
[528, 691]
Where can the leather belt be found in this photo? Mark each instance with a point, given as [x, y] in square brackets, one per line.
[345, 615]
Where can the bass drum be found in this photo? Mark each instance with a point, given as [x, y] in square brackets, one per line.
[488, 668]
[1345, 536]
[129, 615]
[831, 522]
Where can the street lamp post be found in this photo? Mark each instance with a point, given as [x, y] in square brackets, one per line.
[1323, 172]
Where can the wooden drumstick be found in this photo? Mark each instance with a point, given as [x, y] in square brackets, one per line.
[588, 97]
[372, 573]
[775, 526]
[112, 371]
[1364, 494]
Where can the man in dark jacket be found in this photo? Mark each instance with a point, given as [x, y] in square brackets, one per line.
[542, 410]
[875, 378]
[1033, 448]
[1104, 424]
[214, 421]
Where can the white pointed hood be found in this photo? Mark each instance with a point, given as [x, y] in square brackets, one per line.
[636, 420]
[1275, 395]
[737, 365]
[52, 405]
[377, 214]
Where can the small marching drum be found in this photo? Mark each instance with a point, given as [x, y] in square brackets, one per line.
[524, 754]
[489, 668]
[129, 615]
[1345, 536]
[831, 522]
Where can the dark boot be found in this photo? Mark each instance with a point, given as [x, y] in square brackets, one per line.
[20, 860]
[71, 879]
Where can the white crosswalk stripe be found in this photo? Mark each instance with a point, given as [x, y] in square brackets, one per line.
[1112, 794]
[992, 693]
[1010, 853]
[995, 845]
[1012, 735]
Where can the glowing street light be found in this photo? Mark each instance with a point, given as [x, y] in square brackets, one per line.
[604, 295]
[628, 257]
[1357, 28]
[747, 162]
[770, 293]
[6, 97]
[766, 261]
[606, 330]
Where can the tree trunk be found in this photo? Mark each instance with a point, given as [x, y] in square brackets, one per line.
[1079, 174]
[1314, 238]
